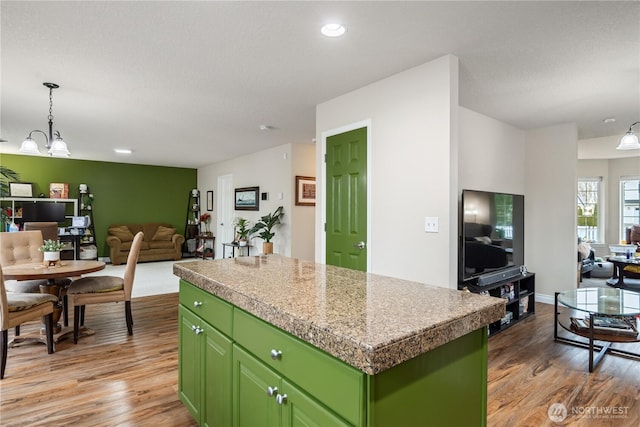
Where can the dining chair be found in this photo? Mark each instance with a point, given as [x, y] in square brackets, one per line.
[49, 229]
[22, 248]
[100, 289]
[18, 308]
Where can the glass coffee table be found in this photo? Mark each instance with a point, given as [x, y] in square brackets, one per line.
[603, 307]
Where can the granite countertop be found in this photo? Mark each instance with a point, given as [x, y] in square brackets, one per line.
[369, 321]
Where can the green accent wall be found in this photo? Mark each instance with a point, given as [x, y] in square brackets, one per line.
[123, 192]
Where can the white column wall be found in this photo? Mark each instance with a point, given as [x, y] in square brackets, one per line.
[550, 208]
[413, 117]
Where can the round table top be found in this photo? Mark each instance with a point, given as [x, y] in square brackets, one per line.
[604, 301]
[36, 270]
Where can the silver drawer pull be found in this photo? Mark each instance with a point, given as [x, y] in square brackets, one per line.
[197, 329]
[271, 391]
[281, 398]
[197, 304]
[276, 354]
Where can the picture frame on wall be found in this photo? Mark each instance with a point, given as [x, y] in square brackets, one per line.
[247, 199]
[20, 189]
[305, 190]
[209, 201]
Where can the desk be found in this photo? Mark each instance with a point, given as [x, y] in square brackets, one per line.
[37, 271]
[233, 247]
[619, 263]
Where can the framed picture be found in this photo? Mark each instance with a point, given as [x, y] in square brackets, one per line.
[247, 199]
[20, 189]
[209, 200]
[305, 190]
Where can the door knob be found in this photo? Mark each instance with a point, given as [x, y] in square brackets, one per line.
[359, 245]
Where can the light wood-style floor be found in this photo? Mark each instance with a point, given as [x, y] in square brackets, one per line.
[111, 379]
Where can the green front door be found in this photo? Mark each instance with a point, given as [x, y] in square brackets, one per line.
[346, 227]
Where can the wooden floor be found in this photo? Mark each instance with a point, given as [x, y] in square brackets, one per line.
[111, 379]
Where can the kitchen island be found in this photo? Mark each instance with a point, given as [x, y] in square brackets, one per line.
[294, 342]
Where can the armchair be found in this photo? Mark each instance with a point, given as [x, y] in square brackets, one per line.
[633, 238]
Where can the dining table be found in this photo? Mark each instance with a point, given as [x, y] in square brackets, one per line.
[72, 269]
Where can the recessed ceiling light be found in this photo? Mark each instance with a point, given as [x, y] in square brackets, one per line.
[332, 30]
[123, 151]
[609, 120]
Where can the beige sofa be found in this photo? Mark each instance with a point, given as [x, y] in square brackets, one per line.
[160, 243]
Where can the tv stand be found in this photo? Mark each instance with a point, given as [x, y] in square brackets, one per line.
[519, 292]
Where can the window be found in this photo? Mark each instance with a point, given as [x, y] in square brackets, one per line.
[588, 209]
[629, 204]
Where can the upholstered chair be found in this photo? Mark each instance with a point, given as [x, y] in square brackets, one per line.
[16, 308]
[633, 238]
[22, 248]
[99, 289]
[49, 229]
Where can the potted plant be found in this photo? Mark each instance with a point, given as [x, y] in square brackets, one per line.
[51, 251]
[264, 229]
[242, 230]
[204, 219]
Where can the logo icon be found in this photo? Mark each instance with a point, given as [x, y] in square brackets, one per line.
[557, 412]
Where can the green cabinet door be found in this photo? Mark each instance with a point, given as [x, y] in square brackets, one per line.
[204, 370]
[300, 410]
[189, 362]
[217, 386]
[253, 404]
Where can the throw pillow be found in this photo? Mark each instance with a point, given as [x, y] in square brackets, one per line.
[122, 232]
[584, 249]
[164, 233]
[484, 239]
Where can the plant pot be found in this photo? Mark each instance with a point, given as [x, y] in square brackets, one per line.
[267, 248]
[242, 243]
[51, 258]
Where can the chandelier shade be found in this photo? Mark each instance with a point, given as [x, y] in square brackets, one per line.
[55, 145]
[630, 140]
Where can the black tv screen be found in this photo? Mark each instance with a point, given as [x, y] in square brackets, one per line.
[492, 232]
[43, 212]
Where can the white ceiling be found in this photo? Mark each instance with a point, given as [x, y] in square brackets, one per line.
[203, 76]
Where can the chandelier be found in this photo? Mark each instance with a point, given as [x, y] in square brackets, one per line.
[630, 140]
[55, 146]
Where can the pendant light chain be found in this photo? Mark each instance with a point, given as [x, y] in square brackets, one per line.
[50, 104]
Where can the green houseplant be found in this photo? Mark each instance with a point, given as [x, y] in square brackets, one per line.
[242, 230]
[264, 229]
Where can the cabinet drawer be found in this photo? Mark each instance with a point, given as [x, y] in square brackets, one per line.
[210, 308]
[331, 381]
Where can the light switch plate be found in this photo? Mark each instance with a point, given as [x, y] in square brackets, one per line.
[431, 224]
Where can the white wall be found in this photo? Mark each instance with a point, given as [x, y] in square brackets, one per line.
[271, 170]
[550, 208]
[413, 169]
[304, 217]
[492, 154]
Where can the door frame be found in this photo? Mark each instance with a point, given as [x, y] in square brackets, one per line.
[366, 123]
[223, 200]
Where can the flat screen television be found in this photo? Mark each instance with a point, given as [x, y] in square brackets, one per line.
[43, 212]
[492, 232]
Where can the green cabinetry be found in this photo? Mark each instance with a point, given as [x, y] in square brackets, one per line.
[205, 358]
[237, 370]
